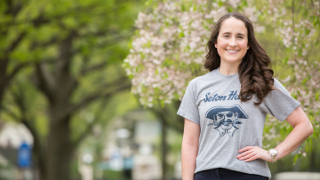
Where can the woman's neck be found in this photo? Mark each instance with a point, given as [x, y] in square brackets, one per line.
[227, 69]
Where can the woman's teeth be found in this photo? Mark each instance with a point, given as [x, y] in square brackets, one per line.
[232, 51]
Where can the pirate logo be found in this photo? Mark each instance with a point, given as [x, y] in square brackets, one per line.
[226, 119]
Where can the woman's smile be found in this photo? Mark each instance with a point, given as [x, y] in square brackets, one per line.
[232, 51]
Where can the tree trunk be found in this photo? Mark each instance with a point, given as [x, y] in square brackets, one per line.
[39, 165]
[58, 87]
[59, 151]
[38, 156]
[164, 149]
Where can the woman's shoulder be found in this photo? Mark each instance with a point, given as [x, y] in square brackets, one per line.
[203, 78]
[277, 84]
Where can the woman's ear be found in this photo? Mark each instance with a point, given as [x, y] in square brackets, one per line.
[215, 44]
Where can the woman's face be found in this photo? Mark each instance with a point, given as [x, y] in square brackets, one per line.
[232, 41]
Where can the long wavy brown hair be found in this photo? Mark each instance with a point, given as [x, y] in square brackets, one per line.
[254, 73]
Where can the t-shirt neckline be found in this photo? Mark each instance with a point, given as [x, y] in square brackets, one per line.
[225, 76]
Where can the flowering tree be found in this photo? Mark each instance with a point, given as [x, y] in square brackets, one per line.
[168, 49]
[298, 26]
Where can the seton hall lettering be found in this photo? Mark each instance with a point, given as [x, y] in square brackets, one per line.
[216, 97]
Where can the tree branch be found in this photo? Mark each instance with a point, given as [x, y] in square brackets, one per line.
[62, 66]
[115, 38]
[88, 129]
[53, 40]
[13, 9]
[87, 70]
[87, 100]
[43, 81]
[164, 115]
[17, 68]
[16, 42]
[12, 114]
[40, 20]
[20, 66]
[39, 149]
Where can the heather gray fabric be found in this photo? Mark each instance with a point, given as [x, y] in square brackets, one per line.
[228, 125]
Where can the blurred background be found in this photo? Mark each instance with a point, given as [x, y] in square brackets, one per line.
[89, 89]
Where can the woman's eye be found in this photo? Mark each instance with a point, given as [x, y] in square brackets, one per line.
[240, 37]
[226, 36]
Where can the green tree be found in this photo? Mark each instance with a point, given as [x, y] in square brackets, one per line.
[74, 50]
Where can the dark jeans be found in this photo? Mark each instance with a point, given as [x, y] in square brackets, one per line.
[225, 174]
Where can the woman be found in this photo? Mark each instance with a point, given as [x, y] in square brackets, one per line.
[225, 110]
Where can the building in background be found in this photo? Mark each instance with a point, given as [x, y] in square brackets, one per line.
[130, 146]
[16, 152]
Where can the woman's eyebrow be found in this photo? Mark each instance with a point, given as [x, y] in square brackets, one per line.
[241, 34]
[231, 33]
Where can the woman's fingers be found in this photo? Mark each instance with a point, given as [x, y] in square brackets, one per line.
[247, 148]
[251, 158]
[249, 153]
[245, 153]
[248, 156]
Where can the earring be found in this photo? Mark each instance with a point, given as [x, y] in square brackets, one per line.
[247, 48]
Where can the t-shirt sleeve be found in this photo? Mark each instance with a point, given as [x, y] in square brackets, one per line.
[279, 103]
[188, 108]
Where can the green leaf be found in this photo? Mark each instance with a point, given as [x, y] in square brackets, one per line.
[305, 80]
[181, 34]
[162, 103]
[307, 31]
[316, 22]
[317, 96]
[286, 60]
[295, 159]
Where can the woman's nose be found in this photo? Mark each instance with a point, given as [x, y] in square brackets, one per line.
[232, 42]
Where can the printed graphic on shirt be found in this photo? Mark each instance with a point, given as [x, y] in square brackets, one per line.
[209, 97]
[226, 119]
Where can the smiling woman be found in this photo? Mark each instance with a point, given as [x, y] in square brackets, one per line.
[225, 110]
[234, 49]
[232, 45]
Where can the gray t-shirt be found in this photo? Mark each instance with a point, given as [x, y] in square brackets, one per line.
[226, 124]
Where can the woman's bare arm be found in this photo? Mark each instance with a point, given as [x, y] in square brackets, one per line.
[189, 149]
[302, 129]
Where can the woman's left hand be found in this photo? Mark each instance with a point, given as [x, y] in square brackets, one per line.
[251, 153]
